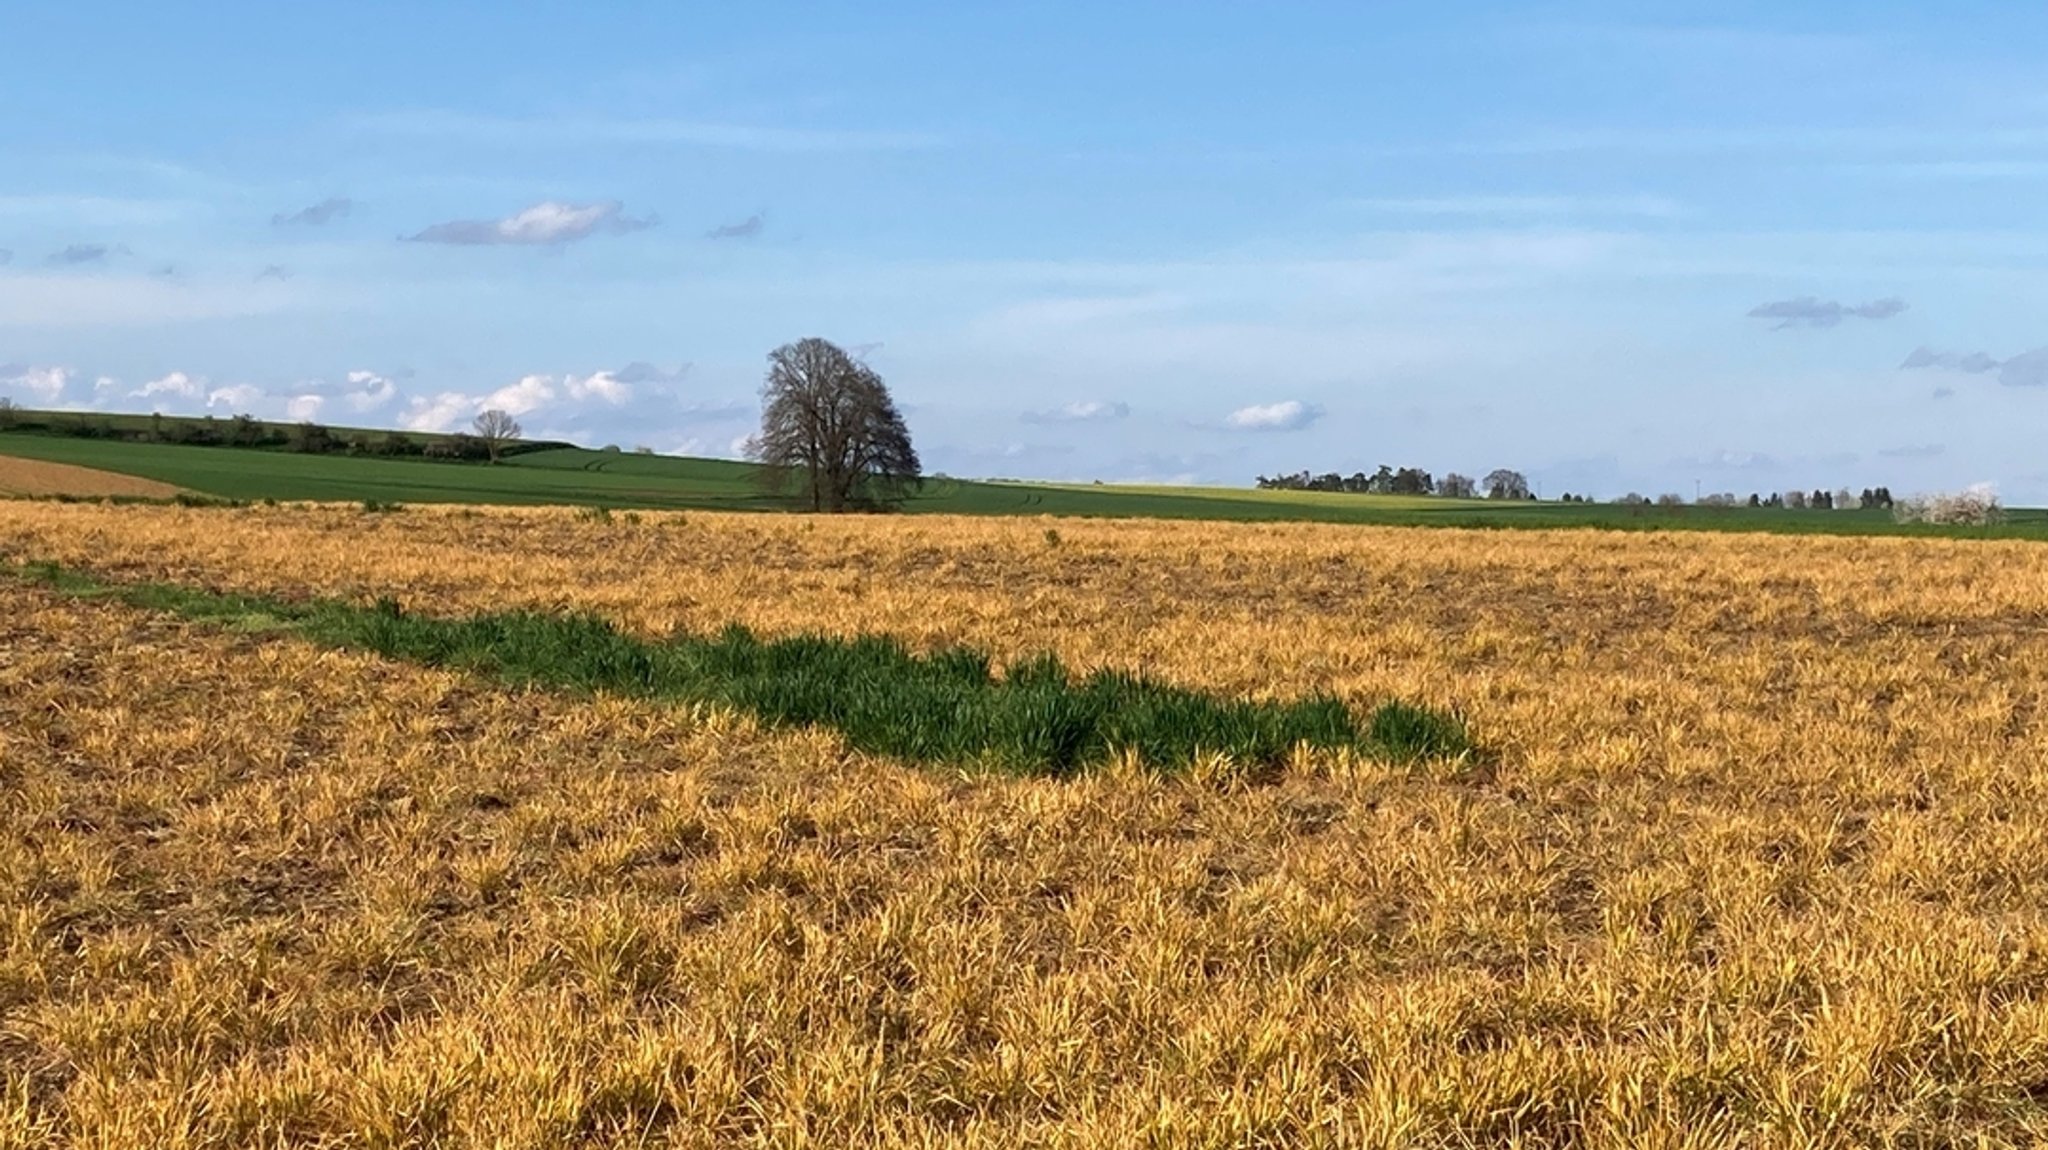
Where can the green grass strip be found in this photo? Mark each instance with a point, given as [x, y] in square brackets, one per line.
[948, 706]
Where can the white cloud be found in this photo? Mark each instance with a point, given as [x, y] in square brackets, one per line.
[548, 222]
[44, 385]
[1287, 415]
[600, 385]
[235, 397]
[1080, 411]
[303, 408]
[441, 413]
[530, 394]
[369, 390]
[176, 383]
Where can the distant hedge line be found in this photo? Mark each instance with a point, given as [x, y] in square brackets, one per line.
[249, 432]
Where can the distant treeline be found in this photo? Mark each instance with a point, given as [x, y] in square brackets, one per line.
[249, 432]
[1499, 484]
[1841, 499]
[1504, 483]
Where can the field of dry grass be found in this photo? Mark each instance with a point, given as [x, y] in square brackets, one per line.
[34, 477]
[1761, 858]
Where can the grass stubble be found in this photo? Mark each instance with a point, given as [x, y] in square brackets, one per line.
[1761, 860]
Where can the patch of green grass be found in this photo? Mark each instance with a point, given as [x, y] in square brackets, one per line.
[950, 706]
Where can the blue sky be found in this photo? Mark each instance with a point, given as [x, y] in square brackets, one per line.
[1618, 246]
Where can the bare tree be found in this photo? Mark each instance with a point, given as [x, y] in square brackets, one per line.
[1456, 486]
[496, 428]
[829, 428]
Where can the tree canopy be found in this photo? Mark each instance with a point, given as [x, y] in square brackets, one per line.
[830, 430]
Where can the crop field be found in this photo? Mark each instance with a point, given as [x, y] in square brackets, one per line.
[541, 475]
[1742, 841]
[34, 477]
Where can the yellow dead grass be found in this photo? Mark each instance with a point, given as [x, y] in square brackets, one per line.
[1764, 861]
[35, 477]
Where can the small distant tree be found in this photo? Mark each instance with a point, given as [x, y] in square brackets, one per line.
[1796, 500]
[1456, 486]
[830, 427]
[496, 428]
[10, 415]
[1671, 499]
[1502, 483]
[311, 438]
[1413, 481]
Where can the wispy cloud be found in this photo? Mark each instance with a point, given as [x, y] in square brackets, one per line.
[1886, 140]
[1080, 411]
[546, 223]
[640, 371]
[1913, 451]
[1655, 207]
[324, 212]
[2028, 369]
[77, 255]
[746, 229]
[1287, 415]
[581, 131]
[274, 272]
[1727, 460]
[1975, 363]
[1810, 311]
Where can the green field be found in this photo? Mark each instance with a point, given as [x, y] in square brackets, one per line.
[577, 476]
